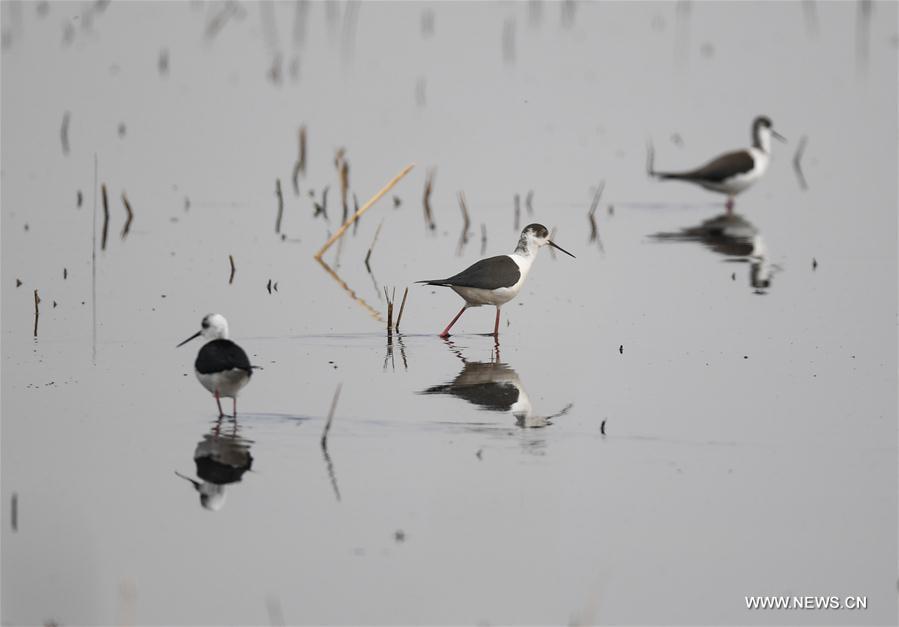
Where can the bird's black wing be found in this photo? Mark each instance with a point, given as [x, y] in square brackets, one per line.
[718, 169]
[489, 274]
[219, 355]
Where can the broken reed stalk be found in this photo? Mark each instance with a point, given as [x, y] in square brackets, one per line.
[130, 217]
[371, 201]
[426, 200]
[483, 239]
[591, 215]
[399, 318]
[327, 428]
[37, 311]
[233, 269]
[517, 212]
[105, 232]
[797, 163]
[464, 207]
[529, 202]
[372, 247]
[280, 205]
[389, 312]
[300, 166]
[355, 209]
[344, 185]
[64, 133]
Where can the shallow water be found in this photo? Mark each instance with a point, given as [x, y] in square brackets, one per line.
[678, 418]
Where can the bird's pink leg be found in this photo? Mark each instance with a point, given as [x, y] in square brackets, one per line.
[235, 406]
[730, 205]
[452, 322]
[219, 403]
[496, 326]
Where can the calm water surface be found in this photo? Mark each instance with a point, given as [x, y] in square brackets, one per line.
[698, 408]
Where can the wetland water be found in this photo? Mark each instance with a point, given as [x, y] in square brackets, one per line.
[684, 415]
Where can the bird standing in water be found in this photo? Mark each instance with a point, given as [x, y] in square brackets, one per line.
[222, 366]
[732, 172]
[497, 280]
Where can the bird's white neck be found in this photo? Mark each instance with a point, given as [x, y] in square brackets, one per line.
[762, 140]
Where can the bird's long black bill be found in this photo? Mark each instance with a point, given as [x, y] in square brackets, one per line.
[189, 339]
[557, 247]
[777, 135]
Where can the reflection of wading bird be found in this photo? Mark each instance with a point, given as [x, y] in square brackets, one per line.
[222, 366]
[497, 280]
[732, 172]
[221, 460]
[494, 386]
[733, 236]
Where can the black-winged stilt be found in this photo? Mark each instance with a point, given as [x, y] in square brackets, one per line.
[733, 172]
[497, 280]
[222, 366]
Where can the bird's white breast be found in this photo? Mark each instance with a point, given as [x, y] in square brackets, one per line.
[227, 382]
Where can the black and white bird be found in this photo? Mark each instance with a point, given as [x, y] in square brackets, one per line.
[497, 280]
[222, 366]
[732, 172]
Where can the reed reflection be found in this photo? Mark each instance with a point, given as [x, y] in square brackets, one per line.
[221, 459]
[735, 237]
[493, 386]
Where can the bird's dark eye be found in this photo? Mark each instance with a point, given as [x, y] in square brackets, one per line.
[205, 324]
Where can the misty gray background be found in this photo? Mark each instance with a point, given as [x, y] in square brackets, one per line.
[750, 442]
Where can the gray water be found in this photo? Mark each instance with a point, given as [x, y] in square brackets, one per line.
[667, 424]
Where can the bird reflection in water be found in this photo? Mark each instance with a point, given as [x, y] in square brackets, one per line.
[735, 237]
[221, 459]
[494, 386]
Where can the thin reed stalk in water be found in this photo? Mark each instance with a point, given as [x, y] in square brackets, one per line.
[426, 200]
[371, 201]
[37, 311]
[233, 269]
[372, 247]
[324, 440]
[64, 133]
[389, 312]
[797, 163]
[344, 172]
[399, 318]
[517, 212]
[130, 217]
[280, 197]
[105, 232]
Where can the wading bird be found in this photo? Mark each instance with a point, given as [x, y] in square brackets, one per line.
[732, 172]
[222, 366]
[497, 280]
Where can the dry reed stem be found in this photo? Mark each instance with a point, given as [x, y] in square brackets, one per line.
[371, 248]
[233, 269]
[399, 318]
[280, 197]
[105, 232]
[64, 133]
[517, 212]
[37, 311]
[324, 440]
[797, 162]
[130, 217]
[426, 200]
[371, 201]
[344, 172]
